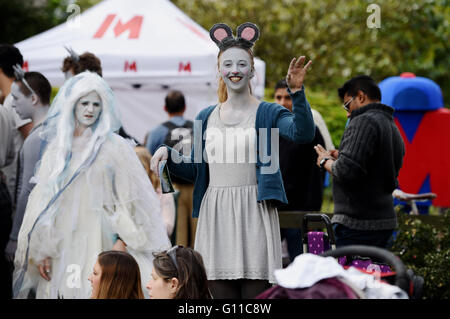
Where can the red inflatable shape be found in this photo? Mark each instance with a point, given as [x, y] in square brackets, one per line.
[428, 154]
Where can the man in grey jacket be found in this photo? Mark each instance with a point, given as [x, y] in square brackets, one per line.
[31, 98]
[366, 167]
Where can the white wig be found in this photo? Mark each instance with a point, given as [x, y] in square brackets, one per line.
[59, 126]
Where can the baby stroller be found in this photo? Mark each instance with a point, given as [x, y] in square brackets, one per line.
[316, 242]
[312, 276]
[316, 245]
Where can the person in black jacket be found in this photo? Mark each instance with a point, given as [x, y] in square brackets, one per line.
[366, 168]
[302, 179]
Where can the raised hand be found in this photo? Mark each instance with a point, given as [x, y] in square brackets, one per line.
[296, 73]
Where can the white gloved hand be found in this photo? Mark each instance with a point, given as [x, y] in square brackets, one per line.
[161, 154]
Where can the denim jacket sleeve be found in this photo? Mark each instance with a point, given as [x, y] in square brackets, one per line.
[297, 126]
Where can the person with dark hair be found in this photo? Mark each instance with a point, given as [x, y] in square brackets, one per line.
[366, 167]
[13, 130]
[302, 179]
[10, 57]
[282, 97]
[177, 133]
[31, 98]
[7, 155]
[116, 275]
[358, 87]
[74, 64]
[178, 273]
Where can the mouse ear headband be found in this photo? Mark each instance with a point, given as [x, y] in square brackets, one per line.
[247, 34]
[20, 76]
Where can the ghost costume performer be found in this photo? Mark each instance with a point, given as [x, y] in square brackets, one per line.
[91, 189]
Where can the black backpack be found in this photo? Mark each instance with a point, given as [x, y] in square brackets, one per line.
[180, 137]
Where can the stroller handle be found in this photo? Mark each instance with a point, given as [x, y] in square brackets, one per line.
[401, 278]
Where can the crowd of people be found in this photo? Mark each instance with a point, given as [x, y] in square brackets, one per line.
[80, 200]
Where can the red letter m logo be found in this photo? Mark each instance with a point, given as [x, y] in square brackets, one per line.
[25, 66]
[184, 67]
[133, 25]
[130, 67]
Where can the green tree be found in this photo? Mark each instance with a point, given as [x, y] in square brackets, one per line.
[21, 19]
[334, 34]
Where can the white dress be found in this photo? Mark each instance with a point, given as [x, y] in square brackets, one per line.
[237, 236]
[111, 196]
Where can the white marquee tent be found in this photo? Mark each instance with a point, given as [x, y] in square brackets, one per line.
[146, 47]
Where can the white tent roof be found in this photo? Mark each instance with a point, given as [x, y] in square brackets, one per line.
[146, 42]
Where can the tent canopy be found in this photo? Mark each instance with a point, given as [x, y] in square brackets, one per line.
[146, 47]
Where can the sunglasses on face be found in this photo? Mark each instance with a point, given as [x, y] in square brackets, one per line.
[346, 104]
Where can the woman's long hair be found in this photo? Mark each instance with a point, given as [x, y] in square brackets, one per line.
[145, 157]
[120, 278]
[191, 273]
[222, 89]
[59, 126]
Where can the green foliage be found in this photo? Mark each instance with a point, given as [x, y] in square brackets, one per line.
[21, 19]
[328, 105]
[53, 94]
[334, 34]
[436, 274]
[426, 250]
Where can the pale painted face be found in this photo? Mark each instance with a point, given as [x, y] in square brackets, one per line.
[235, 68]
[158, 288]
[88, 109]
[94, 278]
[21, 103]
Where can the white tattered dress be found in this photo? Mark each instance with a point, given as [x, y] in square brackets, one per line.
[111, 196]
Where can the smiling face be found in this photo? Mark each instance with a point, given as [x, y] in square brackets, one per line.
[95, 278]
[88, 109]
[21, 103]
[236, 70]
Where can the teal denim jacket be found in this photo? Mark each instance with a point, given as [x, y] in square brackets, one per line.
[297, 126]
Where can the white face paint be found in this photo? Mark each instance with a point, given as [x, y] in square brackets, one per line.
[21, 103]
[235, 68]
[88, 109]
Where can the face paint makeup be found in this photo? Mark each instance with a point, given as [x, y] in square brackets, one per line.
[22, 104]
[88, 109]
[236, 69]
